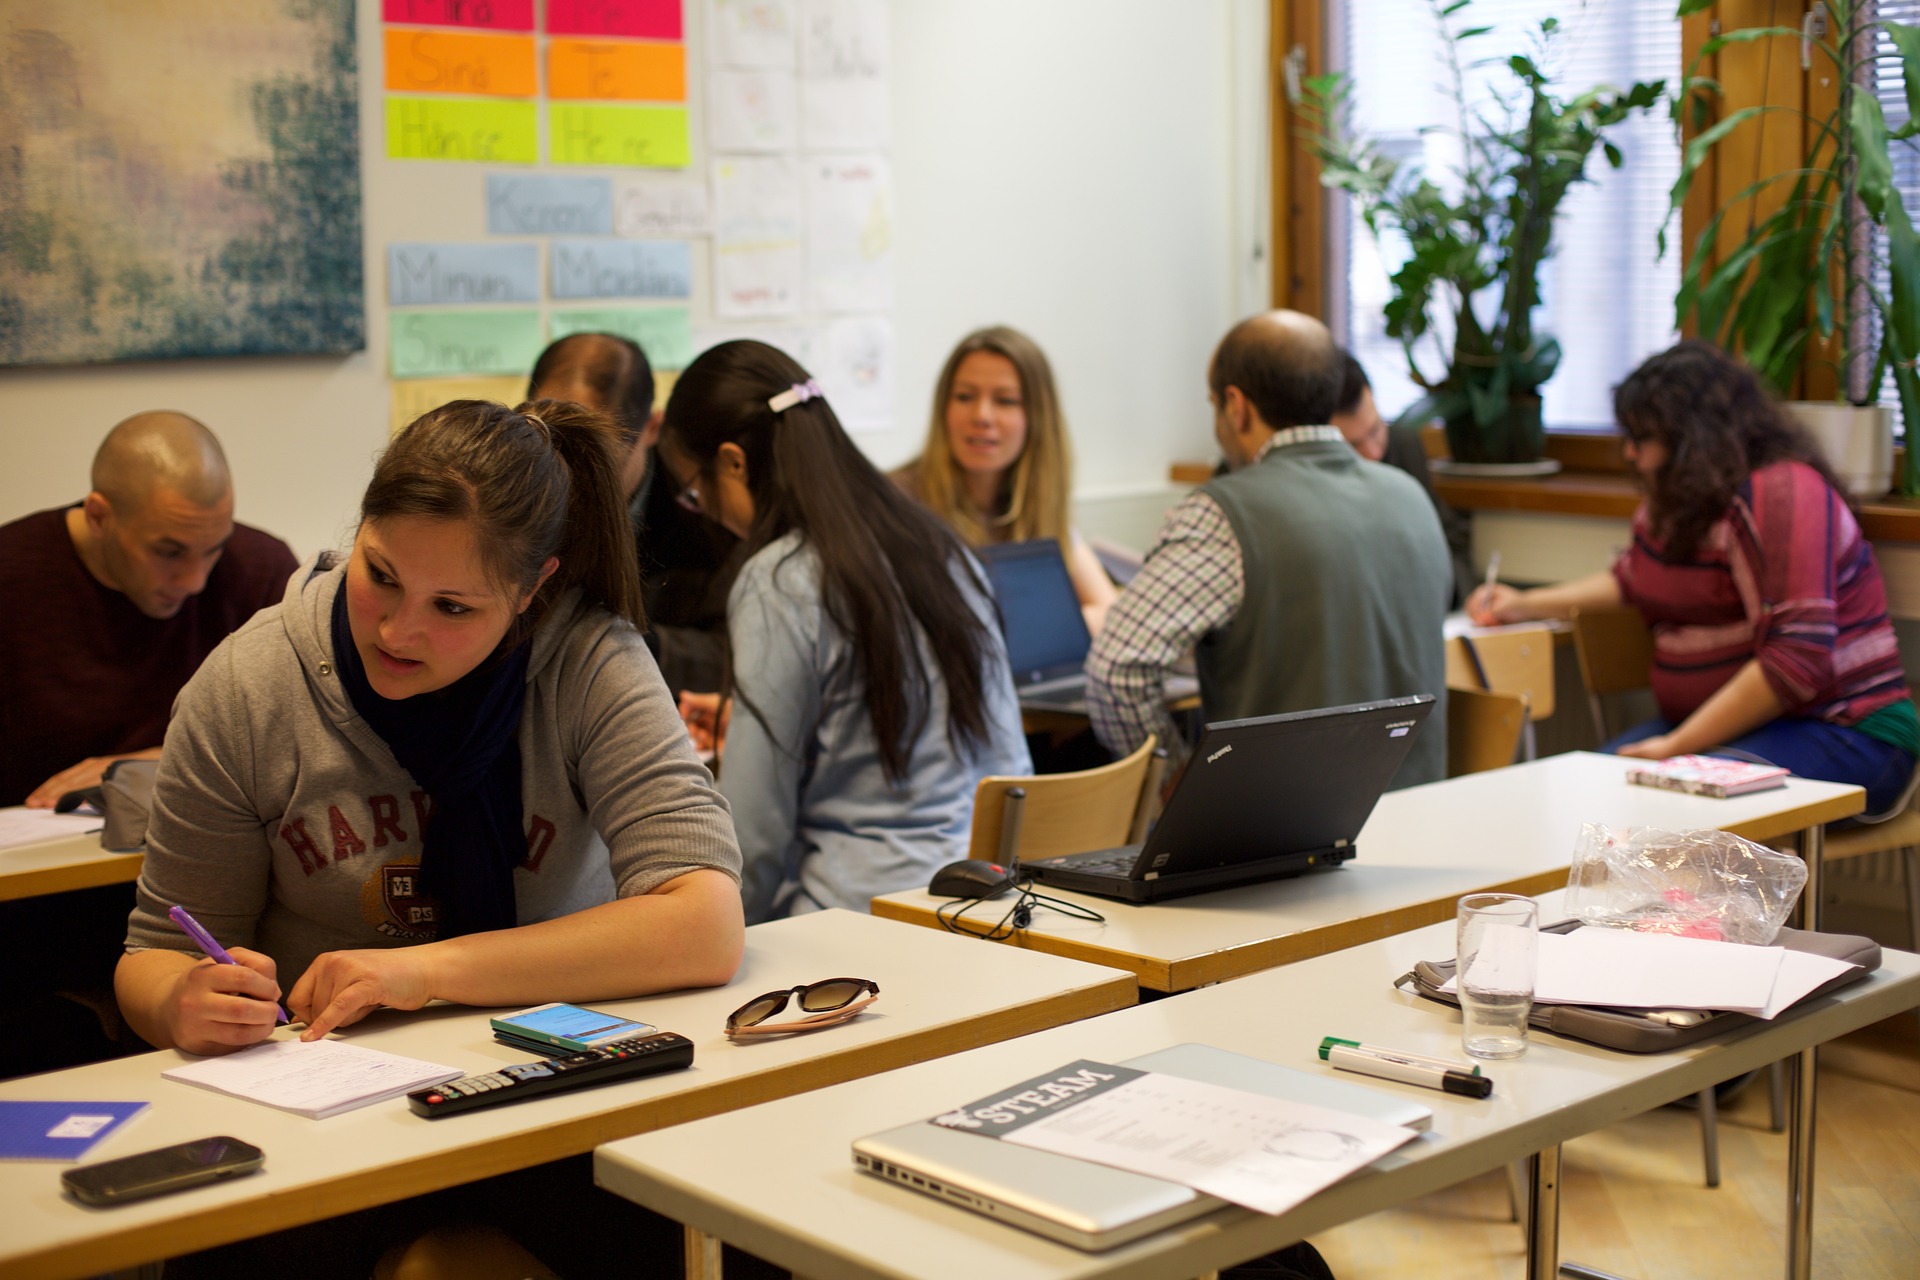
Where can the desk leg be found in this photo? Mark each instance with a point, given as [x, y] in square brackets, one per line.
[703, 1255]
[1543, 1215]
[1800, 1111]
[1813, 844]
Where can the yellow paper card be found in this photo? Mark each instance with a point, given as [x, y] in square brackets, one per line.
[414, 396]
[456, 62]
[462, 129]
[618, 70]
[651, 137]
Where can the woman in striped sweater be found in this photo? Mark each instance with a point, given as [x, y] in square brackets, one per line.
[1769, 617]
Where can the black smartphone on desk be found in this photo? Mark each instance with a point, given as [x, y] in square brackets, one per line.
[157, 1172]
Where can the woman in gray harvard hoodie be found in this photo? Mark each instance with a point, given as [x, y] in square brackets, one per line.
[445, 767]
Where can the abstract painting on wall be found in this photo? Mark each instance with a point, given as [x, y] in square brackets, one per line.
[178, 179]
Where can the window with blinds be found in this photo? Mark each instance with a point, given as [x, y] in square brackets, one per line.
[1889, 86]
[1606, 296]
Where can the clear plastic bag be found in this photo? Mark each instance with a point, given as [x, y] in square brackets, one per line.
[1697, 884]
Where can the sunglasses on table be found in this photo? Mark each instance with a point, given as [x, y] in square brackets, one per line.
[823, 1004]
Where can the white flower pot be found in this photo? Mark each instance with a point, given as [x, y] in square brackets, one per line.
[1856, 441]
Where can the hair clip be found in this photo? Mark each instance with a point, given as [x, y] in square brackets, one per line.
[798, 393]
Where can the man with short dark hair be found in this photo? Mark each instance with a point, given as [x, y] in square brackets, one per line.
[1305, 577]
[113, 603]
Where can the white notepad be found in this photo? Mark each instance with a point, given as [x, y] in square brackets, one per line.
[316, 1080]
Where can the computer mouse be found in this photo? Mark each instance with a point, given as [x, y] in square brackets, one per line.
[970, 878]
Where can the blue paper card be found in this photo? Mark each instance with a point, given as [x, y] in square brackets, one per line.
[527, 206]
[460, 274]
[622, 269]
[59, 1130]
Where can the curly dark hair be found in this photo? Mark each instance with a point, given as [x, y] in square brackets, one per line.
[1719, 426]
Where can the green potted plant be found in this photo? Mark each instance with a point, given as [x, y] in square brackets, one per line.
[1805, 269]
[1475, 241]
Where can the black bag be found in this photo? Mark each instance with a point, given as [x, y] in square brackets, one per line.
[1644, 1031]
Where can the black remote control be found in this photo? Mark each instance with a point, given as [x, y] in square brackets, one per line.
[641, 1056]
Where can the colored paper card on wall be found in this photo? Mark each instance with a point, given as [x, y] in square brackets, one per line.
[462, 274]
[650, 137]
[664, 333]
[462, 129]
[543, 205]
[622, 269]
[435, 344]
[642, 19]
[498, 15]
[459, 62]
[617, 70]
[415, 396]
[665, 206]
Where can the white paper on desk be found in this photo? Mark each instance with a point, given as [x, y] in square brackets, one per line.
[314, 1079]
[1265, 1153]
[1632, 970]
[21, 825]
[1800, 973]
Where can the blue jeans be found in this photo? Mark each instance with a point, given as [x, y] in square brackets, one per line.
[1810, 749]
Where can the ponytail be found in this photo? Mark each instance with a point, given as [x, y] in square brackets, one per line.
[535, 482]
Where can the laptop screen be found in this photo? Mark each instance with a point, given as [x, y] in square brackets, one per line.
[1039, 612]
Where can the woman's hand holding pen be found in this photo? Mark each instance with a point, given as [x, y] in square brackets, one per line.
[341, 987]
[1491, 606]
[217, 1008]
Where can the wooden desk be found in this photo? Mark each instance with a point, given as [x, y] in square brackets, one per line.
[71, 862]
[939, 995]
[1507, 830]
[799, 1202]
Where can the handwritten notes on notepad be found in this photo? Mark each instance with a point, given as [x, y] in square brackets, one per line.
[316, 1080]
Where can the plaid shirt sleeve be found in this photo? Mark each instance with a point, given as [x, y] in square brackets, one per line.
[1192, 583]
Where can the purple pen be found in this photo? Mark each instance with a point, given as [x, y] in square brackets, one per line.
[204, 940]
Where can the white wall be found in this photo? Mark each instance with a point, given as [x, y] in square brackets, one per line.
[1066, 166]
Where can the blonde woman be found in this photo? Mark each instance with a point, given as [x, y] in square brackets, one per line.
[997, 465]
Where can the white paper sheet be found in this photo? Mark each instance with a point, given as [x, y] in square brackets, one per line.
[845, 115]
[661, 207]
[758, 220]
[317, 1079]
[849, 234]
[1800, 973]
[1265, 1153]
[843, 39]
[1654, 971]
[857, 372]
[756, 111]
[20, 825]
[751, 33]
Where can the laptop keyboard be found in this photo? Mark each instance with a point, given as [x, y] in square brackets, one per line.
[1102, 864]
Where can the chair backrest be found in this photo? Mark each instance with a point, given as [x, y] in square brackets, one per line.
[1616, 656]
[1510, 660]
[1483, 729]
[1049, 814]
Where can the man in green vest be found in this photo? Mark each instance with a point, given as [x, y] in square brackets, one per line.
[1305, 577]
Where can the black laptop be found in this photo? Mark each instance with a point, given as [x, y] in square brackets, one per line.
[1047, 638]
[1261, 799]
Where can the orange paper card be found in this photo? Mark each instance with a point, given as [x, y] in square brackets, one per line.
[459, 62]
[616, 70]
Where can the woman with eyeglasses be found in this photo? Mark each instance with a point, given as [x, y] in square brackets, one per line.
[868, 681]
[445, 767]
[1769, 616]
[997, 465]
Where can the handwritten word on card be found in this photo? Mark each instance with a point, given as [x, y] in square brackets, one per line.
[518, 206]
[617, 70]
[499, 15]
[415, 396]
[667, 207]
[455, 62]
[433, 344]
[664, 333]
[437, 129]
[622, 269]
[643, 19]
[438, 274]
[650, 137]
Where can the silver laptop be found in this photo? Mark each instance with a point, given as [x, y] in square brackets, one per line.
[1091, 1206]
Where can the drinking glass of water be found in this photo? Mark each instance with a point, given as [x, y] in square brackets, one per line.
[1496, 950]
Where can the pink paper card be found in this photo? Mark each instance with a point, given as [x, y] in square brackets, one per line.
[640, 19]
[497, 15]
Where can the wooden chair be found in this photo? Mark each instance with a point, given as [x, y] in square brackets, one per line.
[1509, 660]
[1484, 730]
[1616, 656]
[1050, 814]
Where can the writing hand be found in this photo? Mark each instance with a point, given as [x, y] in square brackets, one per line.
[1492, 606]
[341, 987]
[217, 1008]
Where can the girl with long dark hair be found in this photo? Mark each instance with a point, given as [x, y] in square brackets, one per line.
[443, 768]
[1769, 616]
[866, 661]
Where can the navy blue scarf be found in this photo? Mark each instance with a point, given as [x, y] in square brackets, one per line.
[462, 746]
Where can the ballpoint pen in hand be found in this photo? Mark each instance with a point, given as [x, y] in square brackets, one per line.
[214, 951]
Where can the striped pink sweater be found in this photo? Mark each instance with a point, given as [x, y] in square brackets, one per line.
[1785, 577]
